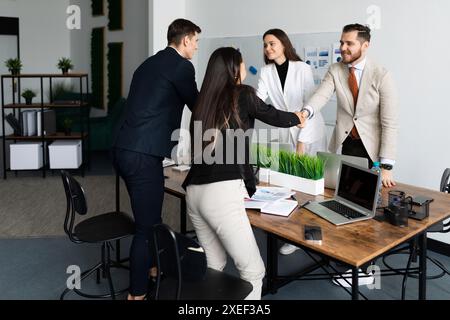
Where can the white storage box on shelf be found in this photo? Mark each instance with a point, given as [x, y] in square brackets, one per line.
[65, 154]
[26, 156]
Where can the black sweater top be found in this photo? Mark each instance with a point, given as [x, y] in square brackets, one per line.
[282, 70]
[250, 108]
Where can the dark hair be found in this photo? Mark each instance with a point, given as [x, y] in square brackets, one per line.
[289, 50]
[217, 102]
[179, 29]
[363, 31]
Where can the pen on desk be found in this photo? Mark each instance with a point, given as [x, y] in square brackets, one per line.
[300, 206]
[305, 204]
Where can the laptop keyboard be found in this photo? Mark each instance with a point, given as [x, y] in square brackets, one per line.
[343, 210]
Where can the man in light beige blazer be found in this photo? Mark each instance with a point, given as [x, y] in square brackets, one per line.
[367, 108]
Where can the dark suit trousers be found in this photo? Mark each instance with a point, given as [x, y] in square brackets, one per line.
[355, 148]
[144, 177]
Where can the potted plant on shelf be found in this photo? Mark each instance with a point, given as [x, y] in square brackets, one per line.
[65, 64]
[14, 66]
[28, 95]
[67, 123]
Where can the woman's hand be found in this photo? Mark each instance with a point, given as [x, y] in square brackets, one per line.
[303, 118]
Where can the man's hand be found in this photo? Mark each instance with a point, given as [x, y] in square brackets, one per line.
[387, 178]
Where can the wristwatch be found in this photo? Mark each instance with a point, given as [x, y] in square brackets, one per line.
[386, 166]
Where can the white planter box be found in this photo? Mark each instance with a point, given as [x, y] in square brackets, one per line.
[65, 154]
[313, 187]
[26, 156]
[264, 175]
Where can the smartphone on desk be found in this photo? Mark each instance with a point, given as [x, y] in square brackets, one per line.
[313, 234]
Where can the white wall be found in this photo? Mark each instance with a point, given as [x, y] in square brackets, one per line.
[164, 12]
[412, 44]
[44, 37]
[135, 37]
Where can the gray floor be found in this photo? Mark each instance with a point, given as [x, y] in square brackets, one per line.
[31, 206]
[36, 269]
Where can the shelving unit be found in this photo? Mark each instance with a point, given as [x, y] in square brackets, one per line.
[16, 106]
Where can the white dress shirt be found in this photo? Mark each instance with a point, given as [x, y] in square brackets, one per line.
[359, 68]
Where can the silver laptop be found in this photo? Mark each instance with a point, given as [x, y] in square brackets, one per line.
[333, 163]
[355, 198]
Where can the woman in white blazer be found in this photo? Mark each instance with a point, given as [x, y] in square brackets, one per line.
[289, 82]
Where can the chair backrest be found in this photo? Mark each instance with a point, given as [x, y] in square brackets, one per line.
[76, 203]
[445, 187]
[445, 181]
[178, 258]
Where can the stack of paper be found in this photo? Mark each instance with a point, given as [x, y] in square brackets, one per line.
[181, 168]
[272, 194]
[168, 162]
[272, 200]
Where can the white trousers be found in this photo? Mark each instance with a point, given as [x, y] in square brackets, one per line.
[218, 214]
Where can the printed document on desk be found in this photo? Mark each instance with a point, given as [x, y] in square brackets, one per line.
[272, 200]
[279, 208]
[168, 162]
[272, 194]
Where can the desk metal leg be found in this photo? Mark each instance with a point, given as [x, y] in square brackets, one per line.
[355, 284]
[183, 216]
[272, 263]
[423, 266]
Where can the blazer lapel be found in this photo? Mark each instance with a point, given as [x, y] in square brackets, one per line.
[344, 73]
[365, 83]
[277, 78]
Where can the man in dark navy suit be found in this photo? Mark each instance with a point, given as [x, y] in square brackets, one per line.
[160, 89]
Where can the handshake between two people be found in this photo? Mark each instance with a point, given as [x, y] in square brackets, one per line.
[303, 117]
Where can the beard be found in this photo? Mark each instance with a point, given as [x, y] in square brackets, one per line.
[352, 58]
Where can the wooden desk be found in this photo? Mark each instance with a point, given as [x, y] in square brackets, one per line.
[172, 185]
[353, 244]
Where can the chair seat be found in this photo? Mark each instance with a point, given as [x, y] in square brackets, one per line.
[106, 227]
[215, 286]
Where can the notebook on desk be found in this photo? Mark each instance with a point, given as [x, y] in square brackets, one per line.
[281, 207]
[355, 197]
[272, 200]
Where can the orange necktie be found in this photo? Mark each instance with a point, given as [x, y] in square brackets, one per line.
[353, 85]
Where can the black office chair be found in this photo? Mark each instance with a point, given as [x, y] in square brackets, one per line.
[183, 274]
[102, 229]
[412, 250]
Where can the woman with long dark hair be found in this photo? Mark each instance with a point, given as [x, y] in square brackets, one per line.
[288, 82]
[221, 175]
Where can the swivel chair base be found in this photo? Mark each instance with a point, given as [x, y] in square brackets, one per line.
[104, 267]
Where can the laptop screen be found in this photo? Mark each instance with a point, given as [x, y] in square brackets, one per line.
[358, 186]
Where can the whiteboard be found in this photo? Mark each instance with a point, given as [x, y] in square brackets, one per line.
[251, 48]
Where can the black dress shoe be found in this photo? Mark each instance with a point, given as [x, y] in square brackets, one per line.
[151, 289]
